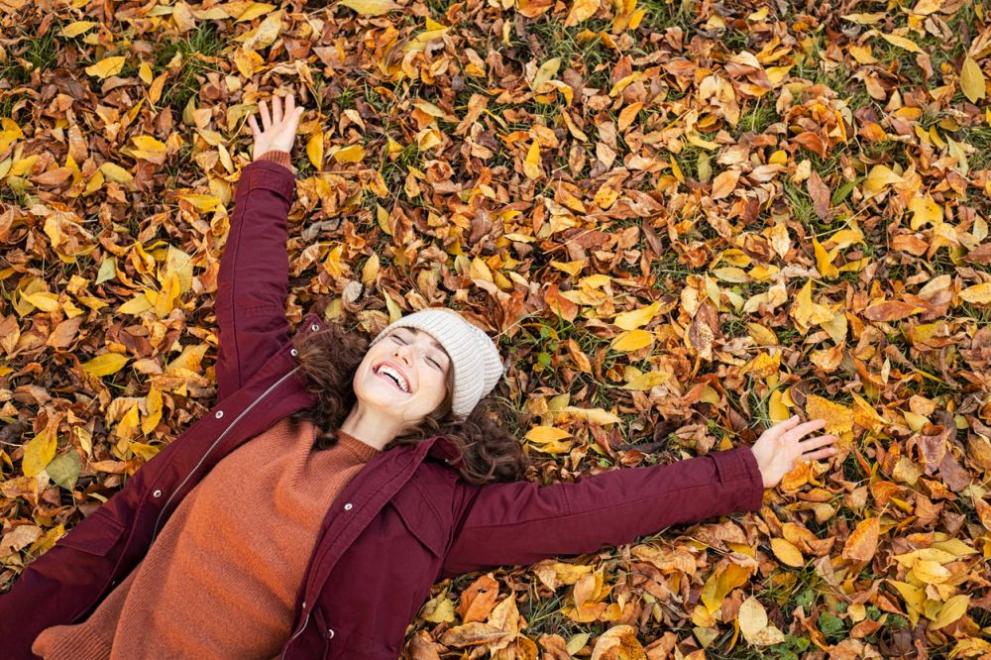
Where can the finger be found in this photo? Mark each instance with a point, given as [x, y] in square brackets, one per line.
[266, 120]
[805, 427]
[276, 110]
[290, 105]
[816, 442]
[253, 125]
[781, 427]
[295, 119]
[821, 453]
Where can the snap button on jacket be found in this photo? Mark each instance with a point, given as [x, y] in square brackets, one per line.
[404, 522]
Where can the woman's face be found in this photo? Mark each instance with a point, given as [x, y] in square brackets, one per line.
[421, 365]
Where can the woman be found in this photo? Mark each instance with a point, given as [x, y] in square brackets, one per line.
[321, 537]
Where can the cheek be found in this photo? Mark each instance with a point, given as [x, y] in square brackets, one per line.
[436, 386]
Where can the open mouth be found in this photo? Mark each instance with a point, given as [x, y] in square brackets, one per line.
[384, 372]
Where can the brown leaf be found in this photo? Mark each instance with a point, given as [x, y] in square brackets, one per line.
[820, 195]
[862, 543]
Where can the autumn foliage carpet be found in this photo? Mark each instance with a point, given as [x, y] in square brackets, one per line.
[685, 221]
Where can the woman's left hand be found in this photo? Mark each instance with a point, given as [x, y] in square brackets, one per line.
[279, 131]
[779, 447]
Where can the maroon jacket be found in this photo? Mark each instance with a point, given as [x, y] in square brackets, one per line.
[404, 522]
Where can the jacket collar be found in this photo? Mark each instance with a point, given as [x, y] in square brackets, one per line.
[442, 447]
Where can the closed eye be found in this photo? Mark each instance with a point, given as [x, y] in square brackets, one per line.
[432, 361]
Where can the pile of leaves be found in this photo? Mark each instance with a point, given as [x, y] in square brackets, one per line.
[684, 221]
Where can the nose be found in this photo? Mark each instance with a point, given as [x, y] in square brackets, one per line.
[402, 352]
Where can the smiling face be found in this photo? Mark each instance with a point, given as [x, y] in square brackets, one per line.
[403, 376]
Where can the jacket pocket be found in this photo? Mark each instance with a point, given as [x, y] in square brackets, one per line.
[95, 535]
[420, 518]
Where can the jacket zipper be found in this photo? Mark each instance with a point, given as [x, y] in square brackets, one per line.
[215, 442]
[306, 620]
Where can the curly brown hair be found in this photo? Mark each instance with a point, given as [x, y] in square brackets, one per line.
[329, 359]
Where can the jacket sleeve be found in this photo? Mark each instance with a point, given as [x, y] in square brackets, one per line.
[253, 280]
[523, 522]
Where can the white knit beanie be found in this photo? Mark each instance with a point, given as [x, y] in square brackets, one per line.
[477, 367]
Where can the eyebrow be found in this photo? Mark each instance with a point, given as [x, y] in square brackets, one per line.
[433, 341]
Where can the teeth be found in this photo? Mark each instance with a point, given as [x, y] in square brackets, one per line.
[389, 371]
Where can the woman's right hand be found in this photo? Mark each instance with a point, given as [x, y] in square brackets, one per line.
[279, 129]
[778, 448]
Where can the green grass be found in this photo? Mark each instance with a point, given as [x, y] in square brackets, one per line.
[186, 83]
[800, 203]
[978, 136]
[38, 54]
[757, 118]
[661, 14]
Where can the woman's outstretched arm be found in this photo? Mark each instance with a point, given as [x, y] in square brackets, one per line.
[523, 522]
[253, 280]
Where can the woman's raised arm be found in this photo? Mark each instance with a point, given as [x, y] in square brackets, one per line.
[522, 522]
[253, 280]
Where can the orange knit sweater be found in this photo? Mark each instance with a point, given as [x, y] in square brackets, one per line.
[220, 579]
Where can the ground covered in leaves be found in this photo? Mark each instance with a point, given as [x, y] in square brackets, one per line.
[684, 220]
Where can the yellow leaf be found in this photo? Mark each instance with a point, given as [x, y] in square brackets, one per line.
[247, 61]
[479, 270]
[148, 148]
[879, 178]
[581, 10]
[371, 7]
[925, 210]
[629, 114]
[149, 143]
[351, 154]
[632, 340]
[979, 294]
[171, 289]
[594, 415]
[902, 42]
[546, 72]
[370, 270]
[824, 263]
[839, 418]
[43, 300]
[638, 317]
[972, 80]
[108, 66]
[200, 201]
[116, 172]
[127, 427]
[754, 626]
[787, 552]
[605, 196]
[253, 11]
[382, 217]
[531, 164]
[778, 409]
[10, 133]
[76, 28]
[720, 583]
[105, 364]
[265, 34]
[314, 150]
[135, 305]
[864, 19]
[546, 434]
[95, 183]
[189, 360]
[332, 263]
[154, 405]
[39, 451]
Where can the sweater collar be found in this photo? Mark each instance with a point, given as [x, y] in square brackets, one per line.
[362, 450]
